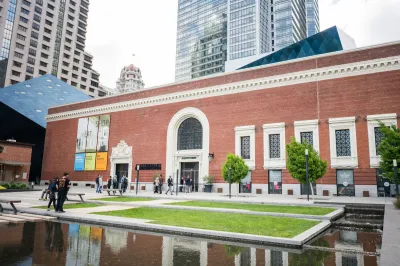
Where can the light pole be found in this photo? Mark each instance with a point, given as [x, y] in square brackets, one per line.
[307, 184]
[137, 177]
[230, 181]
[396, 179]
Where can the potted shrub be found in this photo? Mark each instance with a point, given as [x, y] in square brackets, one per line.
[209, 180]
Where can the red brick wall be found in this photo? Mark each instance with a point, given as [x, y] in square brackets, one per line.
[16, 153]
[277, 69]
[146, 129]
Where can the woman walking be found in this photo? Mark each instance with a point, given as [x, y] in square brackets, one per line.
[156, 184]
[52, 194]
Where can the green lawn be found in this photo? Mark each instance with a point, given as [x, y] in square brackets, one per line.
[74, 206]
[123, 199]
[258, 207]
[228, 222]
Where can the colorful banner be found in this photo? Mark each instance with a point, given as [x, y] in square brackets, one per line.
[91, 134]
[101, 161]
[81, 136]
[79, 162]
[104, 132]
[90, 161]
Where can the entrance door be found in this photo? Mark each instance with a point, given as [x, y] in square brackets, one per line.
[121, 170]
[191, 170]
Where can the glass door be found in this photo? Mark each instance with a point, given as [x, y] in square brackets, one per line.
[345, 182]
[190, 171]
[275, 182]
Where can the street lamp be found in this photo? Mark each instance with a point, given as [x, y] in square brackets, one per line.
[137, 177]
[210, 157]
[307, 185]
[396, 179]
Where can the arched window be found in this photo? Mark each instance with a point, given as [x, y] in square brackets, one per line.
[190, 135]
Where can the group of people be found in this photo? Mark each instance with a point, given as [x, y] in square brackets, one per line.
[60, 186]
[112, 182]
[186, 185]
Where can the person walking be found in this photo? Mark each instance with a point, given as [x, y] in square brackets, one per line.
[62, 187]
[170, 185]
[123, 183]
[52, 194]
[115, 182]
[100, 184]
[109, 182]
[45, 191]
[97, 183]
[160, 184]
[187, 183]
[126, 184]
[156, 184]
[182, 183]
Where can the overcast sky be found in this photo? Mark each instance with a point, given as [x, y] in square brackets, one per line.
[119, 28]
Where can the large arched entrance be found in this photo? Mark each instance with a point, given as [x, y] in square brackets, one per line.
[188, 146]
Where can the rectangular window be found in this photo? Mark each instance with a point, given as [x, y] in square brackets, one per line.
[345, 182]
[36, 18]
[21, 37]
[65, 72]
[19, 55]
[76, 61]
[33, 43]
[39, 2]
[20, 46]
[44, 55]
[67, 48]
[16, 73]
[14, 81]
[343, 147]
[34, 35]
[30, 69]
[66, 56]
[75, 76]
[47, 39]
[49, 14]
[91, 90]
[83, 79]
[47, 30]
[42, 72]
[38, 10]
[74, 84]
[27, 3]
[24, 11]
[275, 146]
[65, 64]
[378, 138]
[50, 6]
[306, 138]
[31, 61]
[32, 51]
[35, 26]
[45, 47]
[24, 20]
[70, 25]
[48, 22]
[27, 77]
[275, 182]
[77, 53]
[22, 28]
[68, 40]
[75, 68]
[245, 147]
[43, 64]
[64, 79]
[83, 87]
[84, 71]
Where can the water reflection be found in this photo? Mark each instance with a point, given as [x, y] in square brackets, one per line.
[50, 243]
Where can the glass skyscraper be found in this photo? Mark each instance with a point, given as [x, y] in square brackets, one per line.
[212, 32]
[201, 38]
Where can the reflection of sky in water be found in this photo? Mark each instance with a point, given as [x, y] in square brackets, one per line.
[116, 240]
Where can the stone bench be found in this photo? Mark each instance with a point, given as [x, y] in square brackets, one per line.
[113, 190]
[11, 202]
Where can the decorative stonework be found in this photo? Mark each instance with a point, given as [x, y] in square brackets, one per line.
[122, 150]
[130, 79]
[319, 74]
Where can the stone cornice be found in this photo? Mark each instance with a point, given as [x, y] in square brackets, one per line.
[319, 74]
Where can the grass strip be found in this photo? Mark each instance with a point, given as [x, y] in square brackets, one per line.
[227, 222]
[258, 207]
[75, 206]
[123, 199]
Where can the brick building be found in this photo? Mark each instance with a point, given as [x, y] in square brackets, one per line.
[334, 100]
[15, 161]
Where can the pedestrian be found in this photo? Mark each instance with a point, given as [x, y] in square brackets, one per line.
[45, 191]
[68, 187]
[97, 183]
[126, 183]
[170, 185]
[156, 184]
[182, 183]
[100, 184]
[62, 187]
[115, 182]
[191, 185]
[161, 184]
[52, 194]
[187, 183]
[123, 183]
[109, 182]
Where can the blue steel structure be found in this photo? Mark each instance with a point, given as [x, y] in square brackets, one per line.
[327, 41]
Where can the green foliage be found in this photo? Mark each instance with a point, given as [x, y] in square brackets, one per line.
[239, 168]
[396, 202]
[311, 257]
[13, 185]
[209, 179]
[296, 163]
[232, 251]
[389, 149]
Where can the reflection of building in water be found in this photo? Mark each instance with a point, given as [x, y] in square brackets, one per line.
[178, 251]
[116, 240]
[84, 245]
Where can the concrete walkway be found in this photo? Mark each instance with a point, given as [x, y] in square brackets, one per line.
[390, 254]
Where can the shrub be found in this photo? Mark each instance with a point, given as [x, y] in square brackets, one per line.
[396, 203]
[209, 179]
[239, 168]
[2, 188]
[15, 186]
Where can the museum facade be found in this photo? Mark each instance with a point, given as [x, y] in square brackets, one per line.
[333, 101]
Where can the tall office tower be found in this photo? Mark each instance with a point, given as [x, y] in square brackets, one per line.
[38, 37]
[254, 28]
[201, 38]
[312, 13]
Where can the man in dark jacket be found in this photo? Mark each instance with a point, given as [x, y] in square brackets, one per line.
[62, 187]
[187, 183]
[170, 185]
[160, 184]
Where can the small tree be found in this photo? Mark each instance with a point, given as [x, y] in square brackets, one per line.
[297, 162]
[389, 149]
[239, 168]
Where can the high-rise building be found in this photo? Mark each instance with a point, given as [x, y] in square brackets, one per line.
[40, 37]
[253, 29]
[130, 79]
[201, 38]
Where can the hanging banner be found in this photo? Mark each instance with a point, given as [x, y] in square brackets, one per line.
[91, 134]
[79, 162]
[90, 161]
[81, 135]
[104, 132]
[101, 161]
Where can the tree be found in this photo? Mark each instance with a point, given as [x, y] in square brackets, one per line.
[297, 162]
[239, 168]
[389, 149]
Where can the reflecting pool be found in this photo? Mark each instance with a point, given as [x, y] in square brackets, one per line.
[54, 243]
